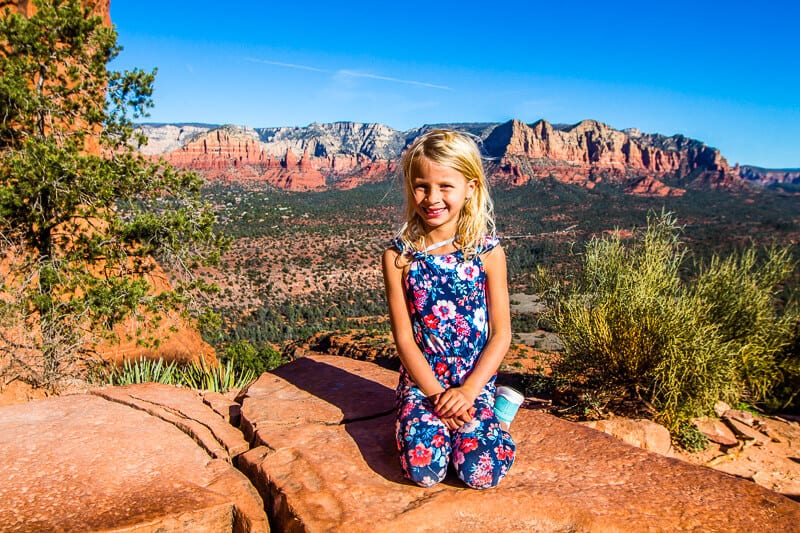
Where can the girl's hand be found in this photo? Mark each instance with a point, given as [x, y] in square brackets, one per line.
[454, 402]
[455, 423]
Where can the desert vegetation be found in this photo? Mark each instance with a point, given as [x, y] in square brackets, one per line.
[644, 321]
[83, 217]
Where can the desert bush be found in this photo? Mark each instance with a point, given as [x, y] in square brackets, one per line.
[741, 292]
[244, 357]
[635, 324]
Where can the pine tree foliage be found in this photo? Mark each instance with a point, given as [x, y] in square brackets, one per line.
[82, 214]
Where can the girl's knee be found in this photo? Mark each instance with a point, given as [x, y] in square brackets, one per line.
[485, 473]
[424, 465]
[426, 478]
[483, 458]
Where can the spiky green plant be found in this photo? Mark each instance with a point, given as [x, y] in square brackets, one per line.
[140, 370]
[204, 376]
[199, 375]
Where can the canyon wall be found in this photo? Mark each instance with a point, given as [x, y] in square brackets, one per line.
[343, 155]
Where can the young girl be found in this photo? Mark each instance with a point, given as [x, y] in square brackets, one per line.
[445, 278]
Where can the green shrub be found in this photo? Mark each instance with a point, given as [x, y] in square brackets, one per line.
[246, 357]
[741, 292]
[634, 324]
[690, 438]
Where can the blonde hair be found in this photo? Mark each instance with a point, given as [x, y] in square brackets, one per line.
[458, 151]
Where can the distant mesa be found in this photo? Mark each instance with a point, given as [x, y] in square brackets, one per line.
[344, 155]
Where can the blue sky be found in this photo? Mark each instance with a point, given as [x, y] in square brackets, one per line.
[726, 73]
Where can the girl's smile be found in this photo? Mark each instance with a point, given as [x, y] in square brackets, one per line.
[440, 193]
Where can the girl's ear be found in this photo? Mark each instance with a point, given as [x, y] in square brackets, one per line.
[470, 188]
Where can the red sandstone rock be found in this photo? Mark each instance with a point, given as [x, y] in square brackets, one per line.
[80, 463]
[742, 416]
[716, 431]
[642, 433]
[229, 410]
[185, 409]
[328, 461]
[649, 186]
[746, 432]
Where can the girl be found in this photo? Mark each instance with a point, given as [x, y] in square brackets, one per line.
[445, 279]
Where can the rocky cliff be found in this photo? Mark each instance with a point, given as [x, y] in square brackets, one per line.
[589, 152]
[340, 155]
[770, 177]
[346, 154]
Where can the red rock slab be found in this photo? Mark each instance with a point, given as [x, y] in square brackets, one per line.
[185, 409]
[716, 431]
[641, 433]
[321, 475]
[320, 389]
[81, 463]
[224, 407]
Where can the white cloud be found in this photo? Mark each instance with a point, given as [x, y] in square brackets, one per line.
[351, 74]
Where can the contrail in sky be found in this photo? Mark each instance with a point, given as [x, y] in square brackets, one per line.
[351, 73]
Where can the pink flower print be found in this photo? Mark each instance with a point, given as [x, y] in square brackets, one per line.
[427, 481]
[458, 457]
[462, 327]
[482, 472]
[421, 456]
[420, 297]
[485, 413]
[444, 260]
[485, 461]
[445, 310]
[467, 271]
[438, 440]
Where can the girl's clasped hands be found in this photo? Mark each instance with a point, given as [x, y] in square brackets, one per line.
[454, 407]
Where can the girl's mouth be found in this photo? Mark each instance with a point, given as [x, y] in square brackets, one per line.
[435, 212]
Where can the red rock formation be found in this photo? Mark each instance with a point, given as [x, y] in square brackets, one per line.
[649, 186]
[27, 7]
[584, 154]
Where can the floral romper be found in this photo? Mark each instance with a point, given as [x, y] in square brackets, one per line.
[446, 297]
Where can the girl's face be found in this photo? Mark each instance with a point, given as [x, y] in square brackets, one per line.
[439, 194]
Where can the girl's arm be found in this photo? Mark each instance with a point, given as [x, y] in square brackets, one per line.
[410, 355]
[451, 403]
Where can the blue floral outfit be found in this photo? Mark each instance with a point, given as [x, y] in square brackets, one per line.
[446, 297]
